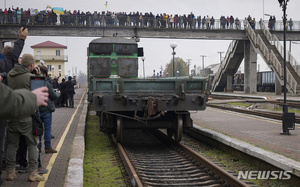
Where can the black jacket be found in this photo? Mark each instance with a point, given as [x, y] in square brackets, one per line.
[8, 63]
[70, 86]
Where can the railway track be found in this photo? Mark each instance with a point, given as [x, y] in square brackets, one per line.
[294, 104]
[272, 115]
[156, 160]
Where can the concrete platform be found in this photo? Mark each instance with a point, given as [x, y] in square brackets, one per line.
[259, 95]
[66, 166]
[256, 136]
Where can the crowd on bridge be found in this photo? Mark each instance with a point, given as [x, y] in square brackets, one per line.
[108, 18]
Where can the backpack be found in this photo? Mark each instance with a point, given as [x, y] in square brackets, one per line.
[37, 124]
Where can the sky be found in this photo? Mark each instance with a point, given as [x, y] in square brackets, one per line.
[158, 52]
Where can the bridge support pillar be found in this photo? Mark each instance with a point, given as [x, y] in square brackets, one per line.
[250, 71]
[229, 83]
[277, 86]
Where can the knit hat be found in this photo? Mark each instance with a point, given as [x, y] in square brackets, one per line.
[27, 59]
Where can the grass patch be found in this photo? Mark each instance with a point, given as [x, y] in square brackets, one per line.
[230, 162]
[100, 166]
[239, 104]
[280, 109]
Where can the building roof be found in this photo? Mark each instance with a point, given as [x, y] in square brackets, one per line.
[48, 44]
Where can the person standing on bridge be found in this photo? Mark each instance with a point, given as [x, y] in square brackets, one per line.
[291, 24]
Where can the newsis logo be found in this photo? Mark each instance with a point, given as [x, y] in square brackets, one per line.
[282, 175]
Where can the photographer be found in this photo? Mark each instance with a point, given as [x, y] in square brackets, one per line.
[20, 103]
[19, 77]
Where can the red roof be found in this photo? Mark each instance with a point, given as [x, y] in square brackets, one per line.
[48, 44]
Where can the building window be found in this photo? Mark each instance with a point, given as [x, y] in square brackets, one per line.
[57, 52]
[59, 67]
[38, 56]
[49, 67]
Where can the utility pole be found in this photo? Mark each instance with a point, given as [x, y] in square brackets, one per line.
[188, 63]
[220, 56]
[203, 56]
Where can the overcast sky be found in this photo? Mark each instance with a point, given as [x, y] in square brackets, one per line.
[158, 51]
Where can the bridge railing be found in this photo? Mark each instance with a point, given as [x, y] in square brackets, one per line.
[251, 33]
[144, 21]
[276, 64]
[224, 62]
[290, 80]
[278, 45]
[274, 41]
[296, 65]
[263, 48]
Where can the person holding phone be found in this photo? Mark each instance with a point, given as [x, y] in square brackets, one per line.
[18, 78]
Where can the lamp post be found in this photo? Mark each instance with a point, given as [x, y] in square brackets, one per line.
[220, 56]
[173, 45]
[52, 69]
[188, 63]
[203, 56]
[288, 121]
[143, 59]
[177, 74]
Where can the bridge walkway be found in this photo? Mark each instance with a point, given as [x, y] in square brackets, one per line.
[271, 51]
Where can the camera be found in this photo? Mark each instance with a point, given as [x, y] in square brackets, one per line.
[3, 75]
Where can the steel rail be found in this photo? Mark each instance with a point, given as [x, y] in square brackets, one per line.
[134, 179]
[266, 114]
[229, 178]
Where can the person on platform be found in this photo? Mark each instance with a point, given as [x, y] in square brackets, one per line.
[11, 55]
[46, 114]
[20, 103]
[64, 97]
[70, 90]
[19, 77]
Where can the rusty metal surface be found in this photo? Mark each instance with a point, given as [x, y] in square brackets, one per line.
[128, 67]
[159, 163]
[207, 163]
[135, 181]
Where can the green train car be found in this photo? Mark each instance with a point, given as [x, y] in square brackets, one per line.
[122, 101]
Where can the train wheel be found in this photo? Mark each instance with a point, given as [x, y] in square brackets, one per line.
[170, 132]
[178, 131]
[118, 134]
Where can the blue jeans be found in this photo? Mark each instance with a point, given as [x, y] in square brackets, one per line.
[46, 118]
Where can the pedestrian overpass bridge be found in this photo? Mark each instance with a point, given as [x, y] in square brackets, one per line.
[246, 43]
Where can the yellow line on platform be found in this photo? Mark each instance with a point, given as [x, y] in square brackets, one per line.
[61, 141]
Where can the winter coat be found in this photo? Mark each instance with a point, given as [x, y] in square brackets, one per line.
[16, 104]
[52, 96]
[8, 63]
[70, 86]
[18, 78]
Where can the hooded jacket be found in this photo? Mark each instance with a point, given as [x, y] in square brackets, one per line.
[18, 78]
[52, 96]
